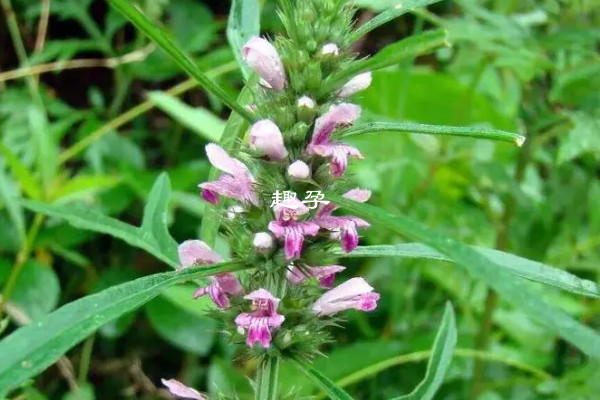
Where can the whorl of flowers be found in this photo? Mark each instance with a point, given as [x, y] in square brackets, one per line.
[285, 305]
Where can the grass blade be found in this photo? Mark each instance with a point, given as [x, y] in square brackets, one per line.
[513, 290]
[438, 364]
[31, 349]
[397, 11]
[411, 127]
[166, 43]
[528, 269]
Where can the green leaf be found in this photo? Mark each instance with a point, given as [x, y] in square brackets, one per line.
[514, 291]
[438, 364]
[198, 120]
[10, 199]
[31, 349]
[583, 138]
[45, 146]
[24, 176]
[244, 22]
[528, 269]
[82, 185]
[410, 127]
[166, 43]
[406, 49]
[397, 10]
[154, 223]
[37, 289]
[236, 127]
[152, 237]
[333, 391]
[188, 331]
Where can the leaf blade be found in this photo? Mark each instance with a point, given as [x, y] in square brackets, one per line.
[244, 22]
[334, 392]
[479, 266]
[411, 127]
[166, 43]
[62, 329]
[525, 268]
[441, 356]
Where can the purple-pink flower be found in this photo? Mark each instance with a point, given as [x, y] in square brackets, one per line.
[355, 293]
[286, 226]
[266, 138]
[262, 57]
[325, 275]
[359, 83]
[262, 320]
[347, 226]
[321, 144]
[237, 182]
[180, 390]
[197, 253]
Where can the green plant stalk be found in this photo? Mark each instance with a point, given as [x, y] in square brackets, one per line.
[491, 300]
[85, 360]
[22, 257]
[136, 111]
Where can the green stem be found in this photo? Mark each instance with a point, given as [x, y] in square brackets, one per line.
[85, 360]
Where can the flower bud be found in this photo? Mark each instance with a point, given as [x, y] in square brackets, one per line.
[263, 242]
[330, 49]
[262, 57]
[358, 83]
[266, 138]
[306, 108]
[299, 170]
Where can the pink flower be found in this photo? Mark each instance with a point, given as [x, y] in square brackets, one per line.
[237, 182]
[347, 226]
[266, 138]
[357, 84]
[325, 275]
[286, 226]
[180, 390]
[299, 170]
[197, 253]
[262, 57]
[321, 144]
[355, 293]
[262, 320]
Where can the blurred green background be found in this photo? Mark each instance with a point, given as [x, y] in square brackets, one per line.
[120, 112]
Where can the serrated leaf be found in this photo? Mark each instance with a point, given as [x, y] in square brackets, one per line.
[333, 391]
[244, 22]
[166, 43]
[528, 269]
[10, 199]
[23, 175]
[438, 364]
[31, 349]
[369, 128]
[481, 267]
[45, 147]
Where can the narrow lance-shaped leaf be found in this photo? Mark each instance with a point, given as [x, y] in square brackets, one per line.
[406, 49]
[166, 43]
[411, 127]
[32, 348]
[45, 147]
[333, 391]
[153, 237]
[528, 269]
[441, 356]
[244, 22]
[513, 290]
[403, 7]
[234, 130]
[9, 196]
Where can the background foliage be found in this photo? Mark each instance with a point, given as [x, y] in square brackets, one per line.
[90, 143]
